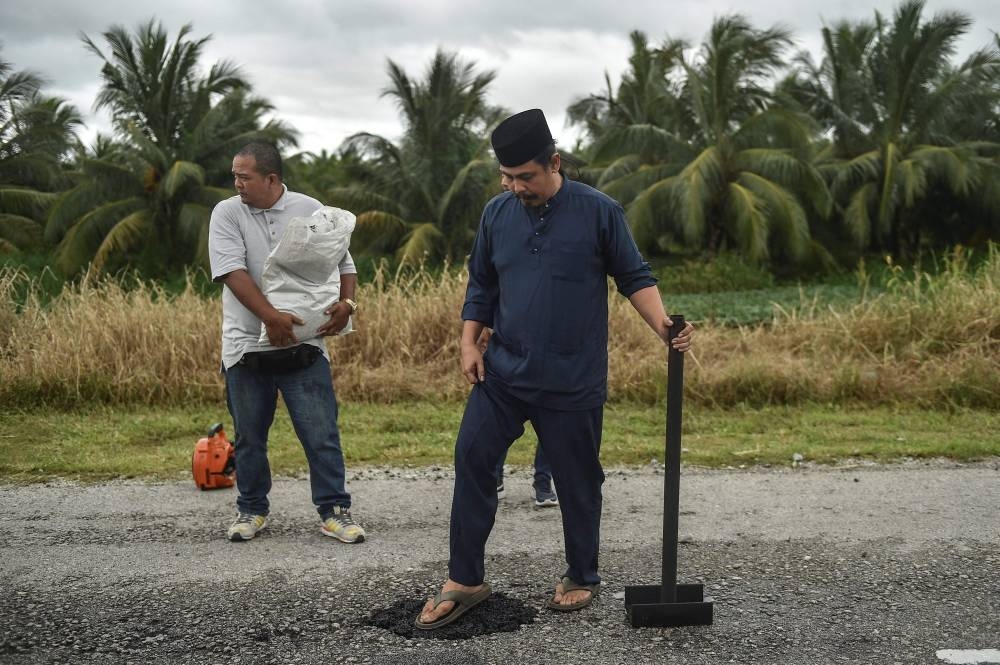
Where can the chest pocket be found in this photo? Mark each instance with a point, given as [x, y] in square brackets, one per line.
[576, 278]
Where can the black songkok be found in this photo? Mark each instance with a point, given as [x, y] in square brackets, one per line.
[519, 138]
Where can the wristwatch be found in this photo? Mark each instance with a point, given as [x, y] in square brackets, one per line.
[353, 305]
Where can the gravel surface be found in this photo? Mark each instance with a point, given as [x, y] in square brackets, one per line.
[857, 564]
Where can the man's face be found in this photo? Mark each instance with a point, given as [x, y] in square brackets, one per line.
[532, 183]
[254, 188]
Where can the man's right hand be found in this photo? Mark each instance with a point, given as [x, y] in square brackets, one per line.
[472, 363]
[280, 331]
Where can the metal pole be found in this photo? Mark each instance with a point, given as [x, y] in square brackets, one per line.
[672, 464]
[669, 603]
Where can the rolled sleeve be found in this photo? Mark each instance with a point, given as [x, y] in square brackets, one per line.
[625, 264]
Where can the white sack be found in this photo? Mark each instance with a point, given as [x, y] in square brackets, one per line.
[302, 274]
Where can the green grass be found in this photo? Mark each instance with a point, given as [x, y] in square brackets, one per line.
[740, 308]
[102, 444]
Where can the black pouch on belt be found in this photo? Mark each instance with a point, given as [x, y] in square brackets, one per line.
[282, 360]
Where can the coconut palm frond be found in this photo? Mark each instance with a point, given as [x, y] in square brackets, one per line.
[182, 174]
[629, 186]
[359, 200]
[82, 240]
[619, 168]
[955, 166]
[857, 215]
[654, 211]
[21, 232]
[424, 243]
[130, 232]
[747, 216]
[25, 201]
[788, 218]
[378, 231]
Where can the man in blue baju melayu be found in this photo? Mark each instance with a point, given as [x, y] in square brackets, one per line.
[538, 277]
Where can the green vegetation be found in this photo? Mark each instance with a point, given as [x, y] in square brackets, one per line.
[796, 165]
[146, 199]
[158, 443]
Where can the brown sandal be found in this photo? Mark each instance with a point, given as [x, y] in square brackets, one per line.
[464, 601]
[567, 586]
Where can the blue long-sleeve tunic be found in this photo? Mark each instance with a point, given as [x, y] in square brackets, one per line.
[538, 277]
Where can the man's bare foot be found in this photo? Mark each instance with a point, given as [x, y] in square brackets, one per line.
[430, 614]
[570, 597]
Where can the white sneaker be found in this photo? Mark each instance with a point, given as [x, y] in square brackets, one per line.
[246, 527]
[340, 525]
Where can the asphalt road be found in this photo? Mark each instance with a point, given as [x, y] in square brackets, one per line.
[865, 564]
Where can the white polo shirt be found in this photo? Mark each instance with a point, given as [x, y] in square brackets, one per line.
[240, 237]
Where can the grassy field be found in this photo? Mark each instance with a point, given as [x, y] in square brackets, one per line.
[105, 379]
[927, 339]
[106, 443]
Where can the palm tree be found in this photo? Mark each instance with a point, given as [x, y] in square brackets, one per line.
[178, 129]
[421, 198]
[901, 114]
[647, 105]
[729, 170]
[36, 132]
[635, 131]
[837, 92]
[316, 174]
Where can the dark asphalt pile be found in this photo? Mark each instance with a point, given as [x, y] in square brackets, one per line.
[497, 614]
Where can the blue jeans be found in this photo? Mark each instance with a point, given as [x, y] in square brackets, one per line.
[543, 472]
[252, 397]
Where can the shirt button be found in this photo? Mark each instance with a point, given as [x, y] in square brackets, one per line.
[537, 233]
[534, 250]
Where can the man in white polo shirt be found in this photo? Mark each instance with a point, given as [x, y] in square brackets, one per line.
[243, 231]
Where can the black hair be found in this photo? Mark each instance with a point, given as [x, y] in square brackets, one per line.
[544, 158]
[266, 155]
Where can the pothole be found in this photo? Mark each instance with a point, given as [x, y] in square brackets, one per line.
[497, 614]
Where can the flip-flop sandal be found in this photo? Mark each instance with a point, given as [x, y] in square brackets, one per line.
[464, 601]
[569, 585]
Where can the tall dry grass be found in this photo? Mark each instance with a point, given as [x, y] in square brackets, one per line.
[931, 340]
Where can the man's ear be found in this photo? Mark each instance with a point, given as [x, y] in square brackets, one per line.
[555, 162]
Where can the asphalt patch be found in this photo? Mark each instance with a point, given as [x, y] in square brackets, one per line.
[497, 614]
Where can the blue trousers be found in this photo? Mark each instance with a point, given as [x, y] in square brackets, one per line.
[252, 397]
[493, 420]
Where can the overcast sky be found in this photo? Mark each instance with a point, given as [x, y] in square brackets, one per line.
[322, 63]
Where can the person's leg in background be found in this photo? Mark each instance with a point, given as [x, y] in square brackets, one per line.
[545, 496]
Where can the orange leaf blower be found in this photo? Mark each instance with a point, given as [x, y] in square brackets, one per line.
[214, 461]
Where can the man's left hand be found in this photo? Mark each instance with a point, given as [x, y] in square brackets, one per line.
[339, 313]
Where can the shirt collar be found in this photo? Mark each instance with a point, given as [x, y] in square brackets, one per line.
[278, 205]
[559, 196]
